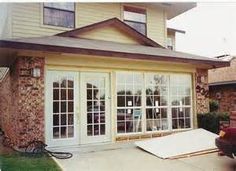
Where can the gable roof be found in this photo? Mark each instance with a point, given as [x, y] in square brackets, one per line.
[115, 22]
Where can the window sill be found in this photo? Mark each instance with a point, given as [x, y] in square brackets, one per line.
[152, 132]
[56, 27]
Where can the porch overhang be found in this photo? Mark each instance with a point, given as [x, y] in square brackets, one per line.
[104, 48]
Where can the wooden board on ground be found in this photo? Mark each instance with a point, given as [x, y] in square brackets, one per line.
[195, 154]
[177, 145]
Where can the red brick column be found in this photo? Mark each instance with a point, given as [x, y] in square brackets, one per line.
[25, 120]
[5, 102]
[202, 100]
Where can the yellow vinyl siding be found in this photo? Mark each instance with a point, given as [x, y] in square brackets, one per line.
[89, 13]
[109, 63]
[156, 28]
[27, 20]
[108, 34]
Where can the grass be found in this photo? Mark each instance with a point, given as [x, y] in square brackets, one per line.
[19, 162]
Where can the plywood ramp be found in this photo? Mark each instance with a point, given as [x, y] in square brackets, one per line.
[184, 144]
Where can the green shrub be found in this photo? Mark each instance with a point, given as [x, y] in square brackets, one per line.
[214, 105]
[211, 121]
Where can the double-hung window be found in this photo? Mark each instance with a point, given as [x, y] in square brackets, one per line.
[59, 14]
[136, 18]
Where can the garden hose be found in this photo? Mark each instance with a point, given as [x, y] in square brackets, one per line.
[36, 148]
[39, 147]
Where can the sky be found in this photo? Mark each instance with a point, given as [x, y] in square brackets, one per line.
[210, 29]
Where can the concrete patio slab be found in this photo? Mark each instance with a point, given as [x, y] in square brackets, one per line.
[131, 158]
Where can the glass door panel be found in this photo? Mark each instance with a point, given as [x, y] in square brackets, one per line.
[61, 98]
[96, 107]
[63, 107]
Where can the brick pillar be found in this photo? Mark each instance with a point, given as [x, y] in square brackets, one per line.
[26, 116]
[5, 102]
[202, 101]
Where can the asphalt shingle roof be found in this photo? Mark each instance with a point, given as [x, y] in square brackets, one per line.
[138, 51]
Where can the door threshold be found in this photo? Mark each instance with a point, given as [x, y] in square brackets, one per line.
[89, 148]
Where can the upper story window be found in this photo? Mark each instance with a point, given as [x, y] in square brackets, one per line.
[136, 18]
[59, 14]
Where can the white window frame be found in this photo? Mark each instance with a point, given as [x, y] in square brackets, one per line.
[184, 106]
[132, 107]
[148, 107]
[59, 28]
[144, 107]
[133, 21]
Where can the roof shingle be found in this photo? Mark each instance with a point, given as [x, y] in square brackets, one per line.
[106, 48]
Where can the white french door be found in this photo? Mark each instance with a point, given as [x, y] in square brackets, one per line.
[77, 108]
[60, 114]
[95, 108]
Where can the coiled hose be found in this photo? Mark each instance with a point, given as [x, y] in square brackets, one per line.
[37, 147]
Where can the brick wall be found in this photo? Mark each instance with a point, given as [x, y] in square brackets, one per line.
[202, 100]
[22, 102]
[5, 101]
[225, 95]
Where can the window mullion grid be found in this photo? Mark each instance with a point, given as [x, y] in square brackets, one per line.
[59, 87]
[143, 103]
[124, 107]
[92, 110]
[66, 107]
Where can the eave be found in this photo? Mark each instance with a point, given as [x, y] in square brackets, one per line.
[13, 46]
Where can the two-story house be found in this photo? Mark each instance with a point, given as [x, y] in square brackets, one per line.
[83, 73]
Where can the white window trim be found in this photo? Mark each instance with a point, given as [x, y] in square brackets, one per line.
[143, 105]
[135, 6]
[132, 107]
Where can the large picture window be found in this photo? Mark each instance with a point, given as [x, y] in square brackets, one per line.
[166, 103]
[136, 18]
[129, 103]
[59, 14]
